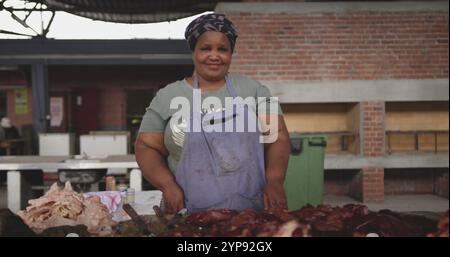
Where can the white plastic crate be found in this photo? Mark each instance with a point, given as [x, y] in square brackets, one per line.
[56, 144]
[103, 145]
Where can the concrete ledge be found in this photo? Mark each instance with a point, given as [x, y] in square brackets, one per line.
[402, 203]
[399, 161]
[416, 161]
[359, 90]
[333, 7]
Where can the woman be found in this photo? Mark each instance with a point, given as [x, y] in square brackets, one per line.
[207, 169]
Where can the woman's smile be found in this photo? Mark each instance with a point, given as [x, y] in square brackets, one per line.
[214, 66]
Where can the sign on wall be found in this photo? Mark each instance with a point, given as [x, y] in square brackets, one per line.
[56, 111]
[21, 100]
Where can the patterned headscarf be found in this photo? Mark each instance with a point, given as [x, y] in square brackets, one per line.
[210, 22]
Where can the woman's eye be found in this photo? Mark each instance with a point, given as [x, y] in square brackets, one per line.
[223, 49]
[204, 49]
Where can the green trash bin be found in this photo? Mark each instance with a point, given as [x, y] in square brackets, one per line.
[304, 176]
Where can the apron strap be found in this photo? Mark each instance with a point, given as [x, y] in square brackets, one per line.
[196, 97]
[227, 82]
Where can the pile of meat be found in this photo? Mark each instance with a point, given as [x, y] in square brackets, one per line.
[442, 227]
[323, 220]
[65, 207]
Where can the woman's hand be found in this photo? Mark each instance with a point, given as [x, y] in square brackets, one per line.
[274, 196]
[276, 159]
[173, 198]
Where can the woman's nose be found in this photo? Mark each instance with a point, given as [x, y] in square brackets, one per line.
[214, 55]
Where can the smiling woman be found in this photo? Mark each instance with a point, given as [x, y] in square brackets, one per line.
[211, 38]
[202, 169]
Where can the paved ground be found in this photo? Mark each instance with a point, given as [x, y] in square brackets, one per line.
[403, 203]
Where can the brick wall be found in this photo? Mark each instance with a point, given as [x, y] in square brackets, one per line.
[417, 181]
[409, 181]
[338, 182]
[441, 183]
[10, 80]
[358, 43]
[354, 45]
[20, 119]
[112, 109]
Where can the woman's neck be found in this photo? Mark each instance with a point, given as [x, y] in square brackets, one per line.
[206, 85]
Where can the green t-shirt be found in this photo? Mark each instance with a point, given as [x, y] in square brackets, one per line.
[158, 114]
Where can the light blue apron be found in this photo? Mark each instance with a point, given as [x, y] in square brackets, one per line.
[222, 169]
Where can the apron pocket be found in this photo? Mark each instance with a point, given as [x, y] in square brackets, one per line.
[228, 154]
[203, 191]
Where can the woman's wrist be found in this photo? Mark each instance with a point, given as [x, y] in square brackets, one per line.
[167, 185]
[275, 180]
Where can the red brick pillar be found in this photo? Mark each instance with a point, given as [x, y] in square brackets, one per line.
[372, 136]
[112, 109]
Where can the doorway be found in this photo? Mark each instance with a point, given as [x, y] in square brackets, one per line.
[137, 101]
[84, 109]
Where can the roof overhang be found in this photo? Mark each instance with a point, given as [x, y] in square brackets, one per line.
[94, 52]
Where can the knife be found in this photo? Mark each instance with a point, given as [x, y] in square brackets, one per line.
[177, 217]
[137, 219]
[169, 223]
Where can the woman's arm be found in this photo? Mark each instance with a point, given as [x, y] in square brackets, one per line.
[277, 151]
[151, 157]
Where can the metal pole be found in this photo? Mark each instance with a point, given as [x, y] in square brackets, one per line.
[39, 87]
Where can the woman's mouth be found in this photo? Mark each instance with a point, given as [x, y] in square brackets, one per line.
[214, 66]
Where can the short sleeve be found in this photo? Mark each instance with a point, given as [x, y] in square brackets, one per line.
[156, 115]
[152, 122]
[266, 102]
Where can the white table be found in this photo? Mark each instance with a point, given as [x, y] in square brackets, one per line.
[16, 165]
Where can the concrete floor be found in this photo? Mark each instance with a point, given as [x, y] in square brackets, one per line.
[401, 203]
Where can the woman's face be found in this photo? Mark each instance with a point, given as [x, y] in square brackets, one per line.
[212, 56]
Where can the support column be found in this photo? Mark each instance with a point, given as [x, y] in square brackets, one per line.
[373, 145]
[39, 87]
[373, 184]
[368, 184]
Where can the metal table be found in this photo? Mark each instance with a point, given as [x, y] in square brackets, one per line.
[16, 165]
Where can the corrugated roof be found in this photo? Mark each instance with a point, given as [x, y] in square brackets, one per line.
[132, 11]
